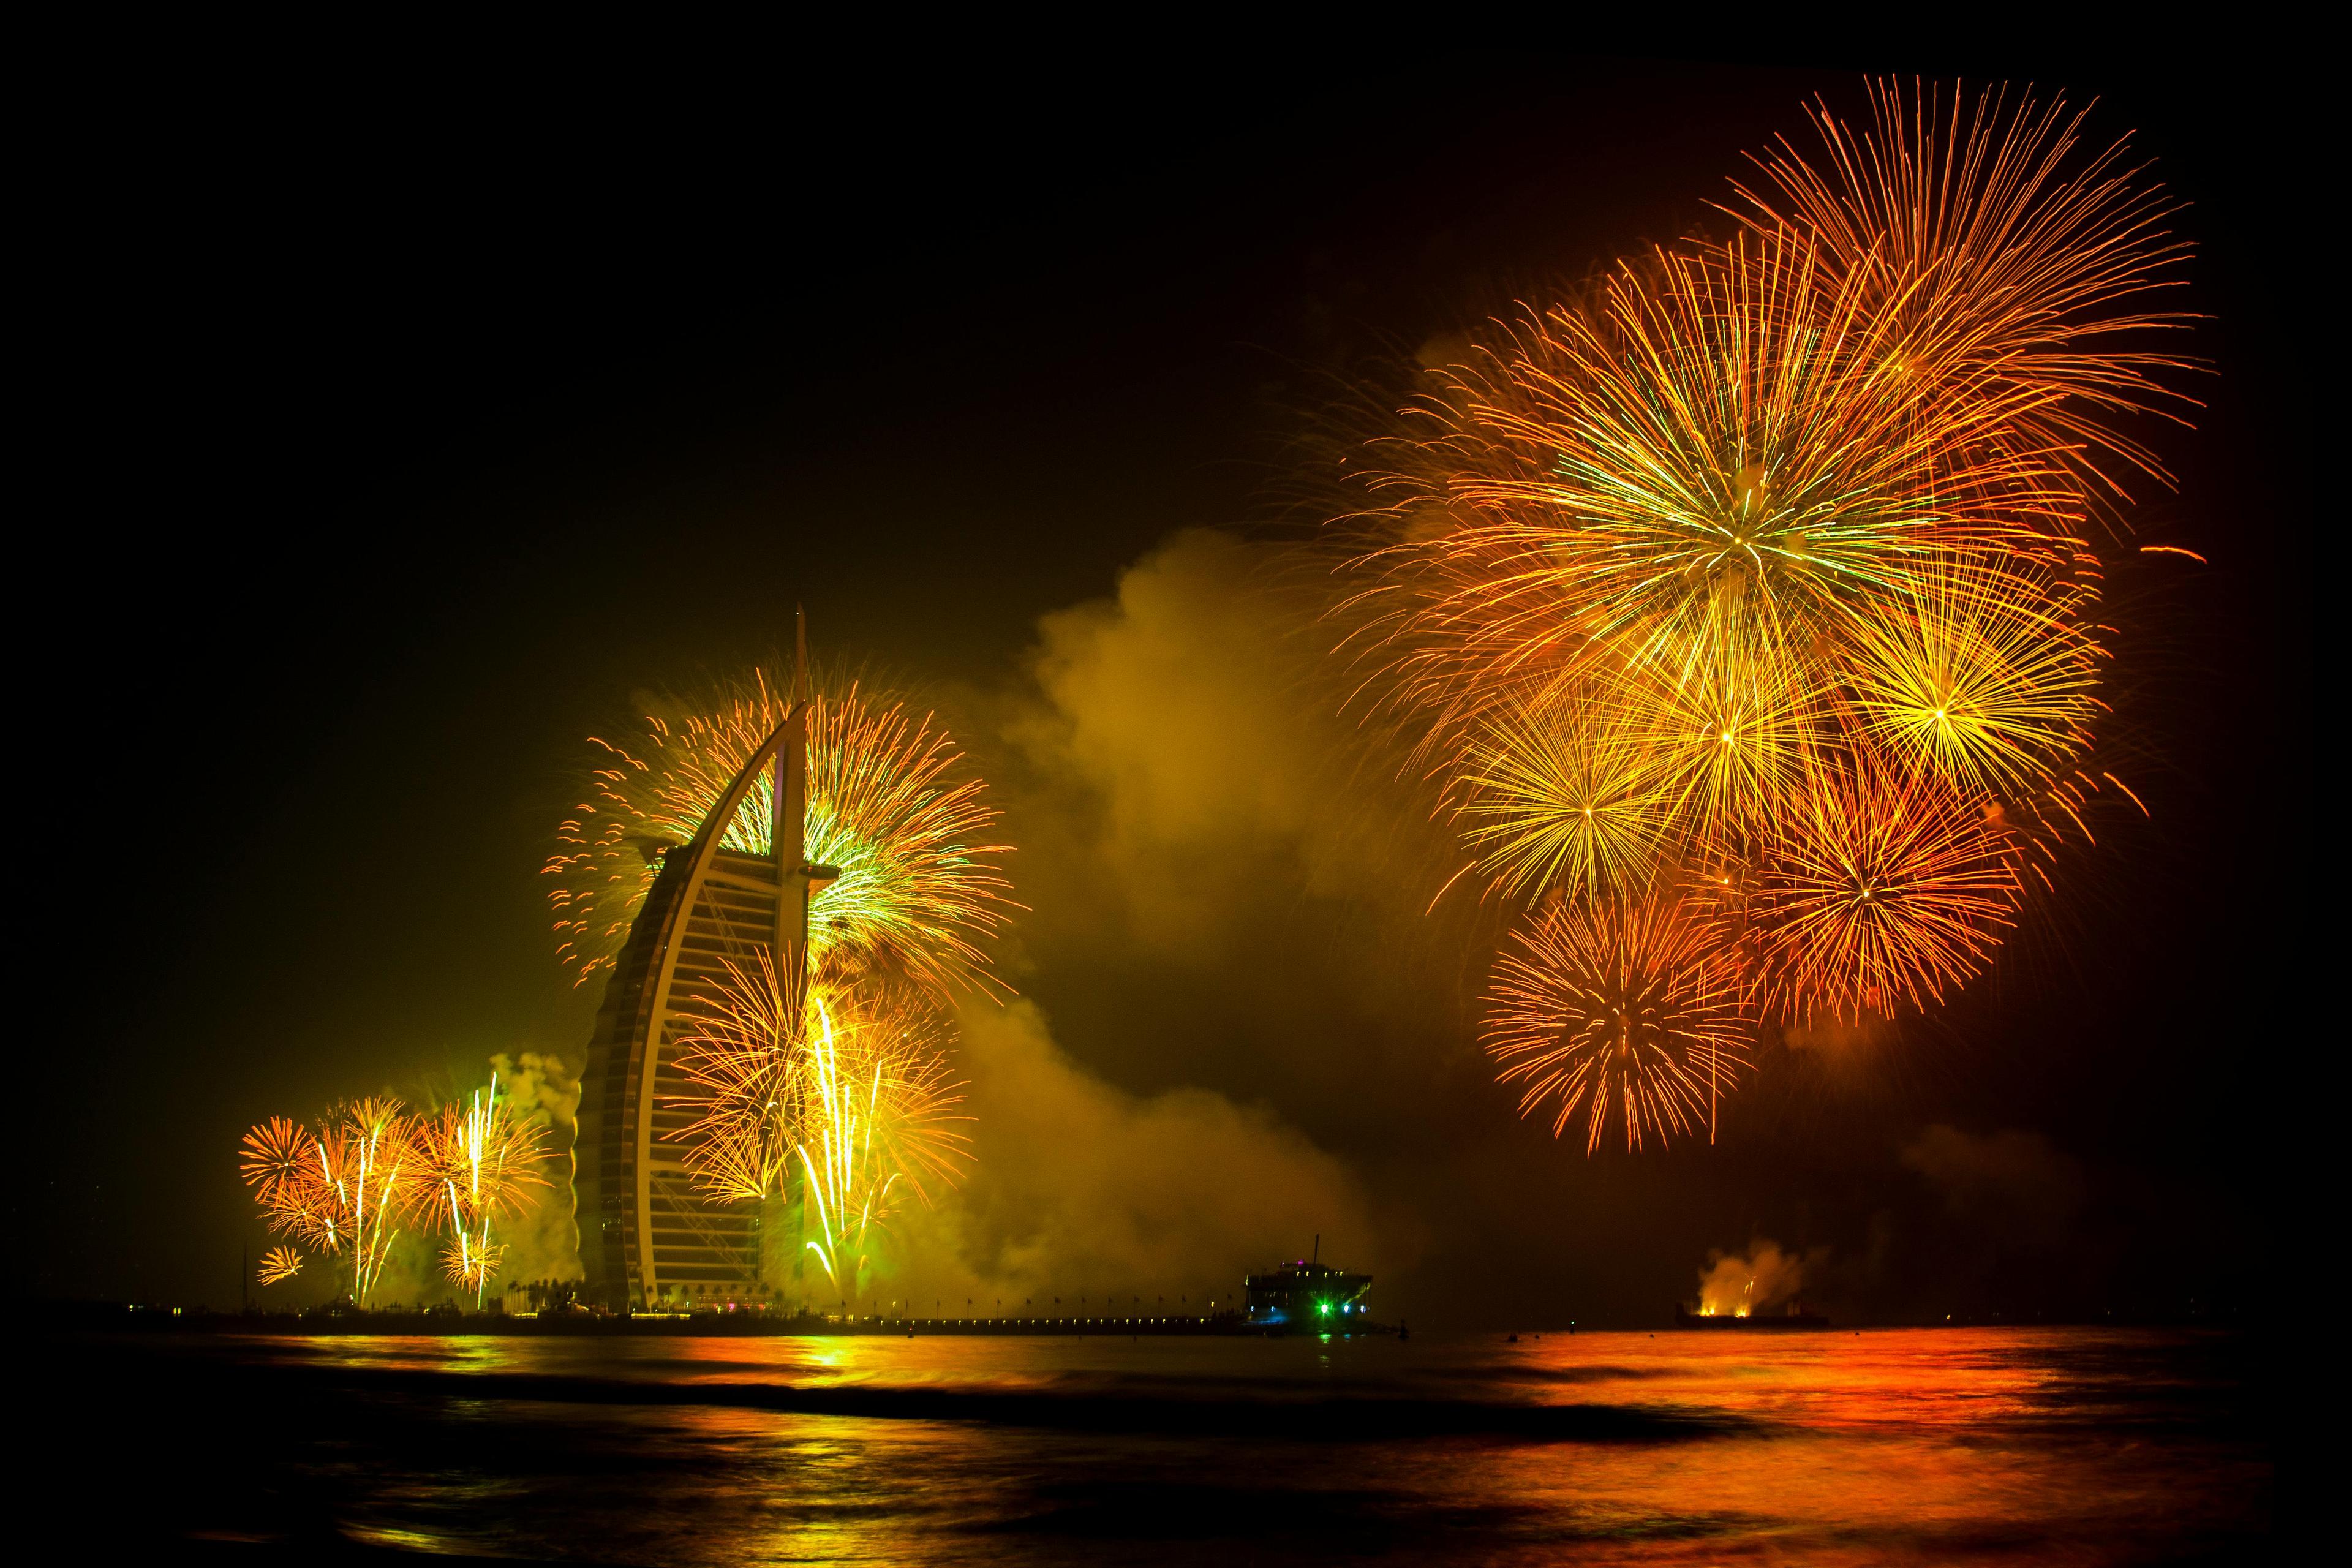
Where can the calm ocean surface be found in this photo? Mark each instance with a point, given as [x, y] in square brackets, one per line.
[1896, 1447]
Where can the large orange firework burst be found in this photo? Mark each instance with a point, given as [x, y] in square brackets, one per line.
[1632, 1010]
[1763, 568]
[890, 807]
[2003, 260]
[1709, 461]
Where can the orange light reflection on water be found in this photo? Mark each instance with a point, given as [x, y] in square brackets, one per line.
[1886, 1446]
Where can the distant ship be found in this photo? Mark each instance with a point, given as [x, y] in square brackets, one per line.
[1796, 1317]
[1306, 1294]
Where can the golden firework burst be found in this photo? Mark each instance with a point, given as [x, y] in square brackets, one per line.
[890, 807]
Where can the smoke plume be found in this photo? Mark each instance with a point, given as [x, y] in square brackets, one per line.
[1750, 1283]
[1187, 728]
[543, 1242]
[1081, 1187]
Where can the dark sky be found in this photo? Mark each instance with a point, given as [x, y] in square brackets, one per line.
[401, 428]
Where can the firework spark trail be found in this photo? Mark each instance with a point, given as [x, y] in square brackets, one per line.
[879, 1109]
[839, 1179]
[1761, 571]
[370, 1156]
[487, 1162]
[897, 1044]
[345, 1190]
[852, 1113]
[890, 806]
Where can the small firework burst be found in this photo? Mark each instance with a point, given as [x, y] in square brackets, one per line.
[1882, 892]
[279, 1264]
[470, 1262]
[488, 1163]
[347, 1189]
[1565, 795]
[741, 1055]
[275, 1154]
[1630, 1010]
[1995, 695]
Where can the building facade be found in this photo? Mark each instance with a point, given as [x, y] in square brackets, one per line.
[647, 1239]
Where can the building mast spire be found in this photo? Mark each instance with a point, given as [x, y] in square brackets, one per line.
[796, 880]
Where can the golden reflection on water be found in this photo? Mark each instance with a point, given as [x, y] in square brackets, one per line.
[1886, 1447]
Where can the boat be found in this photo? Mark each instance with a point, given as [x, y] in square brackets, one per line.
[1307, 1294]
[1796, 1317]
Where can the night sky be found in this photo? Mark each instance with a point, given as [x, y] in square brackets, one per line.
[403, 432]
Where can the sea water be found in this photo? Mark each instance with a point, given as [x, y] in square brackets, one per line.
[2077, 1445]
